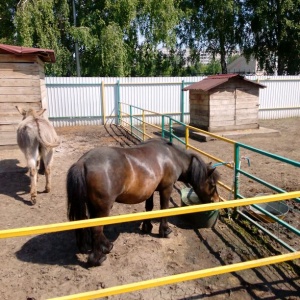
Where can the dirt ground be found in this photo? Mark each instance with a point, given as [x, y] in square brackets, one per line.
[48, 265]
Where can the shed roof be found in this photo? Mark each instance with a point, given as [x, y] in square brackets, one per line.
[216, 80]
[45, 55]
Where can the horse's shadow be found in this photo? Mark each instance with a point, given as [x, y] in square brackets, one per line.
[14, 182]
[57, 248]
[60, 248]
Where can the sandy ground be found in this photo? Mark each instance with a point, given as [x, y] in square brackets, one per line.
[48, 265]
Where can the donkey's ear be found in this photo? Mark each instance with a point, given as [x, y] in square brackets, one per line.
[40, 112]
[21, 111]
[210, 171]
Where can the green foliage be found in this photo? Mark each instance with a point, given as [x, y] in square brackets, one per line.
[273, 34]
[212, 26]
[123, 38]
[214, 67]
[158, 20]
[44, 24]
[7, 29]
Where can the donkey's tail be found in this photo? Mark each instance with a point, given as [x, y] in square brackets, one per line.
[77, 203]
[46, 133]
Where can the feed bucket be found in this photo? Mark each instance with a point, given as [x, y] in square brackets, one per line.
[206, 219]
[278, 208]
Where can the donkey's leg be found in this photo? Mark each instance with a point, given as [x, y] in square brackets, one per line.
[31, 163]
[147, 226]
[47, 157]
[164, 229]
[100, 244]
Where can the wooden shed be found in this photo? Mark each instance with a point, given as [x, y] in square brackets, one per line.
[224, 102]
[22, 83]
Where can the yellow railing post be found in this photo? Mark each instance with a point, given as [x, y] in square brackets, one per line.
[187, 132]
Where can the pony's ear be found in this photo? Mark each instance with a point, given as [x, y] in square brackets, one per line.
[21, 111]
[210, 171]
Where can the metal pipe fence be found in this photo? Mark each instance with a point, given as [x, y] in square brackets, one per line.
[136, 124]
[236, 166]
[9, 233]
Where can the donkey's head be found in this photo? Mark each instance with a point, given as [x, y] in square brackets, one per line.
[30, 112]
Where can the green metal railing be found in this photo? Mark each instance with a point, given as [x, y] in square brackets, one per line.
[169, 132]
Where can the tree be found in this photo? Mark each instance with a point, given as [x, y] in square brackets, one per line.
[214, 26]
[45, 24]
[7, 28]
[273, 34]
[125, 34]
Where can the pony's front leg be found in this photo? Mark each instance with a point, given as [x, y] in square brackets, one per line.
[147, 226]
[164, 229]
[100, 247]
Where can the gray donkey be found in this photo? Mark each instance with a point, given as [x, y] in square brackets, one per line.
[37, 138]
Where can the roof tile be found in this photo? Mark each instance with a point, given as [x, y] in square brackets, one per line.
[45, 55]
[215, 80]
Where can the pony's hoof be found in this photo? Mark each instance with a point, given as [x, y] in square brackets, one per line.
[147, 227]
[107, 248]
[94, 261]
[84, 249]
[165, 233]
[47, 190]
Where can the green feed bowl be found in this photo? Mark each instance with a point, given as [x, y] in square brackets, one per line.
[205, 219]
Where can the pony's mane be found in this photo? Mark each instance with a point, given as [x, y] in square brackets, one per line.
[198, 171]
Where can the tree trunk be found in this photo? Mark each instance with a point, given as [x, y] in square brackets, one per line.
[223, 53]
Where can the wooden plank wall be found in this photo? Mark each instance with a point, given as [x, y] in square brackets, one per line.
[22, 83]
[199, 109]
[234, 106]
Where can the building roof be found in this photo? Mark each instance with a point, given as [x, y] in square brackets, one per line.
[215, 80]
[45, 55]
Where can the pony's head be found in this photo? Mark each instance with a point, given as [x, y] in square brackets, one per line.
[204, 180]
[30, 112]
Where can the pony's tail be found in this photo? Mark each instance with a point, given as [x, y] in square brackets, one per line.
[77, 204]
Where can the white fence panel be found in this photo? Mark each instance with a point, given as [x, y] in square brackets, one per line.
[281, 98]
[94, 100]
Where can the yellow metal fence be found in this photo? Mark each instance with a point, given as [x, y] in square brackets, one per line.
[17, 232]
[9, 233]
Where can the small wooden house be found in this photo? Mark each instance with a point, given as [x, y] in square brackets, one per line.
[224, 102]
[22, 83]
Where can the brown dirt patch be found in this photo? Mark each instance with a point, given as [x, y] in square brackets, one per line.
[48, 265]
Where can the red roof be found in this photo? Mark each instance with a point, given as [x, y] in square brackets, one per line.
[215, 80]
[45, 55]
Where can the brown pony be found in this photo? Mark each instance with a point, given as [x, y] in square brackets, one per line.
[106, 175]
[36, 138]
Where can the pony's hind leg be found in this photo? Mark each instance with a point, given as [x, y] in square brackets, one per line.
[164, 229]
[147, 226]
[100, 244]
